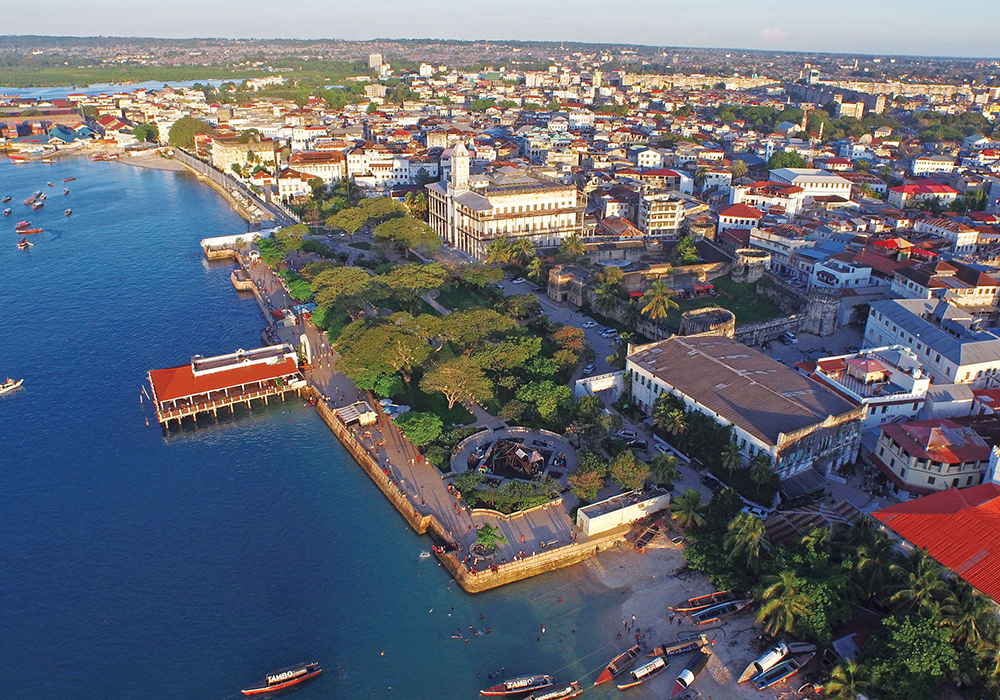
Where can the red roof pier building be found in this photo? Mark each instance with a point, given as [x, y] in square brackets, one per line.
[210, 383]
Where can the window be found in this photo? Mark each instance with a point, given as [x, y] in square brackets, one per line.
[931, 480]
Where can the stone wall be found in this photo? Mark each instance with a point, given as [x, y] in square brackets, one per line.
[771, 329]
[711, 320]
[788, 298]
[750, 264]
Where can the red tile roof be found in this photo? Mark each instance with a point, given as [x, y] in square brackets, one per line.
[960, 528]
[741, 211]
[938, 439]
[180, 382]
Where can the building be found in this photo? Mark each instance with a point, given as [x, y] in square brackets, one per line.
[839, 271]
[329, 166]
[914, 193]
[229, 150]
[660, 215]
[814, 182]
[889, 381]
[803, 425]
[963, 238]
[781, 241]
[952, 281]
[921, 165]
[768, 196]
[470, 211]
[739, 216]
[951, 343]
[960, 528]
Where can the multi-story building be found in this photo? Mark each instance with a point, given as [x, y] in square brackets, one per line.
[953, 281]
[839, 271]
[469, 211]
[781, 241]
[914, 193]
[660, 215]
[739, 217]
[963, 238]
[329, 166]
[769, 196]
[921, 165]
[801, 424]
[814, 182]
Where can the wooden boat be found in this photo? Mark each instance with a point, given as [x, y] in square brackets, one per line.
[619, 664]
[516, 686]
[285, 678]
[704, 601]
[67, 212]
[68, 179]
[29, 201]
[570, 691]
[783, 671]
[10, 385]
[7, 211]
[695, 665]
[644, 673]
[680, 646]
[5, 199]
[65, 190]
[37, 205]
[647, 536]
[773, 656]
[28, 230]
[50, 184]
[717, 612]
[22, 224]
[24, 244]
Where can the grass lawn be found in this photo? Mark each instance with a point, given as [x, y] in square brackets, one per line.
[463, 297]
[740, 298]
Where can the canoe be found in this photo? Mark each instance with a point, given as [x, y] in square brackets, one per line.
[680, 646]
[695, 665]
[644, 673]
[570, 691]
[619, 664]
[783, 671]
[704, 601]
[717, 612]
[773, 656]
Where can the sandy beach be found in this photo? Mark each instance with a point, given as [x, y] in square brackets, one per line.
[153, 161]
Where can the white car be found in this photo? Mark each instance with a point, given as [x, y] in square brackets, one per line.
[626, 434]
[590, 324]
[589, 369]
[757, 512]
[518, 280]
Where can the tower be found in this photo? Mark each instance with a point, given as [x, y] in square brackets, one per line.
[460, 167]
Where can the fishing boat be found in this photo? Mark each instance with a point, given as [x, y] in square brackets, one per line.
[773, 656]
[570, 691]
[37, 205]
[68, 179]
[619, 664]
[704, 601]
[24, 244]
[38, 194]
[65, 190]
[285, 678]
[516, 686]
[717, 612]
[7, 211]
[783, 671]
[67, 212]
[679, 647]
[644, 673]
[5, 199]
[28, 230]
[695, 665]
[647, 536]
[29, 201]
[40, 197]
[10, 385]
[22, 224]
[50, 184]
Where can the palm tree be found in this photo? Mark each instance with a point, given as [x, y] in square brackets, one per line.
[664, 468]
[875, 560]
[847, 681]
[688, 509]
[536, 271]
[731, 457]
[657, 300]
[818, 537]
[739, 169]
[674, 422]
[920, 584]
[970, 616]
[522, 251]
[499, 251]
[572, 247]
[606, 297]
[783, 605]
[700, 175]
[744, 539]
[631, 315]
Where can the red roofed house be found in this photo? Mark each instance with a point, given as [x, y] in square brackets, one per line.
[739, 216]
[960, 528]
[920, 191]
[765, 195]
[923, 457]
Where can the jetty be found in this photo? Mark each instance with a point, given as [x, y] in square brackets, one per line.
[207, 384]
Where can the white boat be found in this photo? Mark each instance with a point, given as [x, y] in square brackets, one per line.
[773, 656]
[644, 673]
[10, 385]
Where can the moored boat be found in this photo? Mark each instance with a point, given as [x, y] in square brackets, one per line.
[50, 184]
[516, 686]
[7, 211]
[65, 190]
[5, 199]
[570, 691]
[29, 201]
[717, 612]
[773, 656]
[29, 230]
[24, 244]
[644, 673]
[37, 205]
[704, 601]
[22, 224]
[695, 665]
[68, 212]
[619, 664]
[68, 179]
[783, 671]
[284, 678]
[10, 385]
[681, 646]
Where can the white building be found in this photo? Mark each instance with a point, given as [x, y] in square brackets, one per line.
[921, 165]
[739, 216]
[660, 215]
[835, 273]
[814, 182]
[963, 238]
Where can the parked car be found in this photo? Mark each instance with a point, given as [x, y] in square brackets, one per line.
[590, 324]
[518, 280]
[712, 482]
[637, 444]
[788, 338]
[589, 369]
[609, 333]
[756, 512]
[626, 434]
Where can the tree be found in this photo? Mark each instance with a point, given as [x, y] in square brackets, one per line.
[547, 398]
[522, 251]
[570, 338]
[499, 251]
[657, 300]
[536, 271]
[489, 536]
[606, 297]
[628, 472]
[688, 509]
[631, 315]
[909, 658]
[673, 421]
[410, 282]
[335, 284]
[663, 468]
[785, 159]
[730, 457]
[585, 484]
[407, 233]
[744, 540]
[369, 350]
[182, 133]
[784, 604]
[760, 470]
[461, 379]
[419, 428]
[739, 169]
[847, 681]
[875, 560]
[572, 248]
[920, 585]
[970, 617]
[146, 132]
[700, 175]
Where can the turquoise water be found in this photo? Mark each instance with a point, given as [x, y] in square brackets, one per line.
[142, 566]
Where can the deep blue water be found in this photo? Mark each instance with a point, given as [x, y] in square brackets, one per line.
[134, 565]
[53, 93]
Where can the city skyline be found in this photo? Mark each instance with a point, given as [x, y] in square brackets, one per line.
[914, 28]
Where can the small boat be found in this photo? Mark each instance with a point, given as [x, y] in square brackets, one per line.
[49, 183]
[5, 199]
[644, 673]
[40, 197]
[647, 536]
[285, 678]
[570, 691]
[38, 194]
[7, 211]
[773, 656]
[10, 385]
[681, 646]
[695, 665]
[783, 671]
[704, 601]
[24, 244]
[37, 205]
[48, 160]
[22, 224]
[28, 230]
[65, 190]
[521, 684]
[29, 201]
[619, 664]
[68, 179]
[67, 212]
[703, 617]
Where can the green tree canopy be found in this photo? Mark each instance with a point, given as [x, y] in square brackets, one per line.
[908, 659]
[335, 284]
[628, 472]
[785, 159]
[182, 133]
[146, 132]
[461, 379]
[419, 428]
[548, 398]
[407, 233]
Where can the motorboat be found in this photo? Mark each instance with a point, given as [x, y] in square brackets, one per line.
[284, 678]
[619, 664]
[773, 656]
[67, 212]
[680, 646]
[24, 244]
[717, 612]
[10, 385]
[7, 211]
[695, 665]
[704, 601]
[570, 691]
[644, 673]
[516, 686]
[782, 671]
[5, 199]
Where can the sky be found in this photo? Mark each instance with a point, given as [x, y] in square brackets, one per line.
[910, 27]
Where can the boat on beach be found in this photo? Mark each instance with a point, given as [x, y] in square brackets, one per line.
[570, 691]
[644, 673]
[284, 678]
[773, 656]
[619, 664]
[516, 686]
[10, 385]
[783, 671]
[704, 601]
[717, 612]
[695, 665]
[680, 646]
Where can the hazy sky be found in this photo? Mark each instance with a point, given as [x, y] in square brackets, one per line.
[929, 27]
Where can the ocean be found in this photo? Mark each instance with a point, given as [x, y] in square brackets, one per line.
[187, 566]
